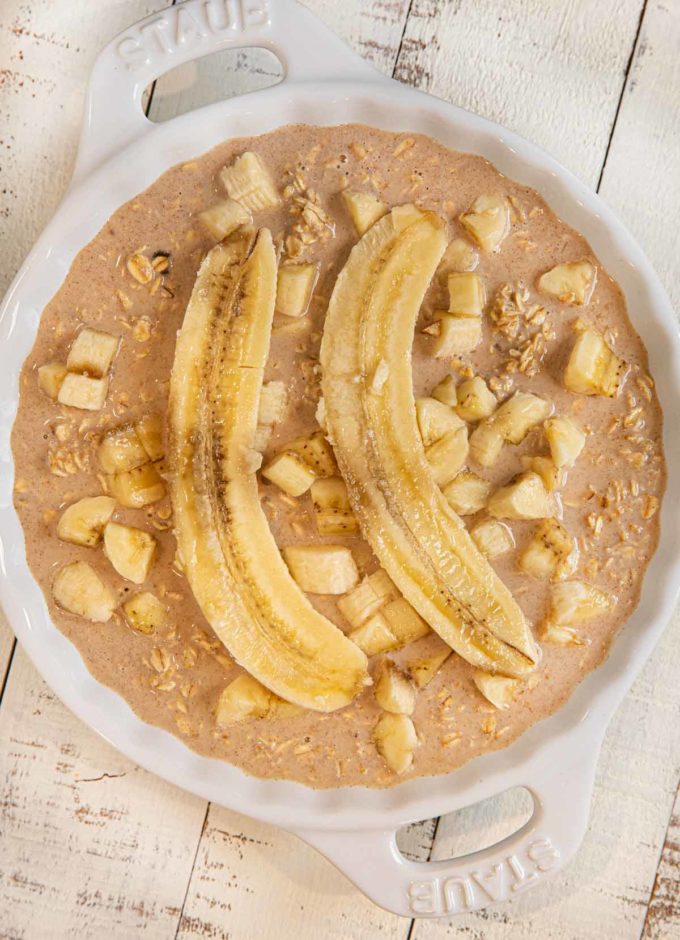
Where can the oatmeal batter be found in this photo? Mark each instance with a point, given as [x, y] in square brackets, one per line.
[174, 677]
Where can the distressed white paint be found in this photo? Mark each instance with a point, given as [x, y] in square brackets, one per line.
[553, 72]
[550, 71]
[92, 846]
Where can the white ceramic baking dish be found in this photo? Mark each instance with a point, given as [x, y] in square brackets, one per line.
[120, 154]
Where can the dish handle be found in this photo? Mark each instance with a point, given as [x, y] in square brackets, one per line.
[114, 116]
[544, 844]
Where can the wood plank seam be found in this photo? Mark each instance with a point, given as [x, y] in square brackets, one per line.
[629, 65]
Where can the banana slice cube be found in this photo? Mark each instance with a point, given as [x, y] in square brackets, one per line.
[565, 439]
[571, 283]
[396, 739]
[405, 623]
[145, 613]
[467, 493]
[121, 449]
[150, 432]
[367, 598]
[364, 210]
[82, 523]
[225, 217]
[525, 498]
[574, 602]
[137, 488]
[374, 636]
[493, 538]
[394, 691]
[322, 569]
[466, 294]
[446, 392]
[290, 473]
[129, 550]
[593, 367]
[273, 403]
[50, 377]
[551, 553]
[435, 419]
[423, 669]
[248, 181]
[332, 510]
[82, 391]
[499, 690]
[456, 335]
[488, 220]
[92, 353]
[78, 589]
[295, 285]
[459, 256]
[475, 400]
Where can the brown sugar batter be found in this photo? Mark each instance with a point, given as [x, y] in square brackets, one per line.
[173, 677]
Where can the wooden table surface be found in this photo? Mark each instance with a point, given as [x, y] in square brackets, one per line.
[91, 845]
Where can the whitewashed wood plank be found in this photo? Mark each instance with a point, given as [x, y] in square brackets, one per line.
[641, 179]
[46, 52]
[551, 71]
[91, 845]
[663, 913]
[253, 881]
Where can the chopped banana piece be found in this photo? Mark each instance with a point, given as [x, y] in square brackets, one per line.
[247, 181]
[565, 439]
[488, 221]
[435, 420]
[290, 473]
[493, 538]
[322, 569]
[367, 598]
[499, 690]
[474, 399]
[332, 510]
[396, 739]
[519, 414]
[78, 589]
[459, 256]
[561, 635]
[446, 392]
[50, 377]
[295, 284]
[263, 434]
[150, 432]
[129, 550]
[82, 391]
[405, 623]
[457, 335]
[425, 668]
[273, 404]
[364, 210]
[553, 477]
[92, 353]
[447, 455]
[571, 283]
[137, 488]
[316, 452]
[225, 217]
[394, 691]
[577, 602]
[525, 498]
[486, 444]
[243, 698]
[594, 368]
[83, 522]
[467, 493]
[551, 553]
[374, 636]
[145, 613]
[466, 294]
[121, 449]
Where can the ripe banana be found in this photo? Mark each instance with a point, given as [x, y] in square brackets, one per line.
[419, 540]
[228, 552]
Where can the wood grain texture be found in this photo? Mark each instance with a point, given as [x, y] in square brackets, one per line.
[663, 913]
[550, 71]
[90, 843]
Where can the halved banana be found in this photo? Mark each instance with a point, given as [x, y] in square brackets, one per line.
[225, 545]
[422, 544]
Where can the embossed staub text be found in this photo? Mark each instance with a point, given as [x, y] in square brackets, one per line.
[186, 25]
[475, 888]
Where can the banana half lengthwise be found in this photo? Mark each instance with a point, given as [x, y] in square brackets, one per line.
[371, 418]
[229, 555]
